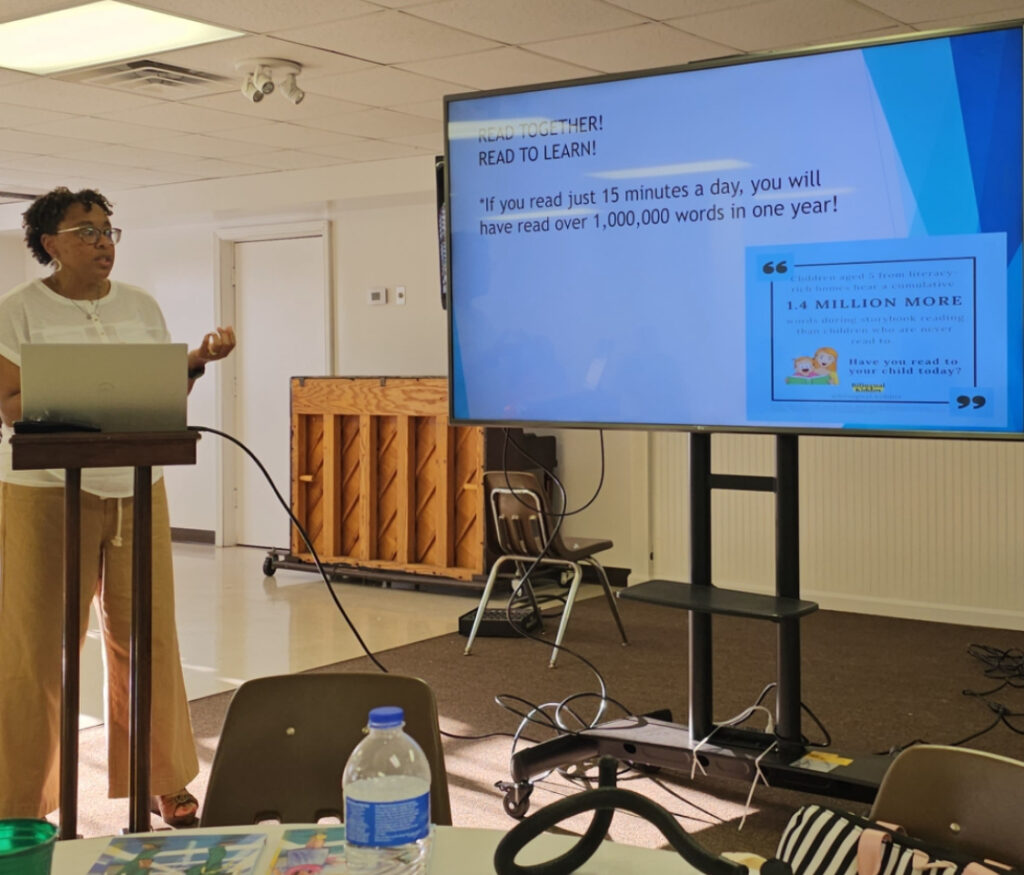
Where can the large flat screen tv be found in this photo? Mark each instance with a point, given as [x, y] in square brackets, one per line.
[819, 242]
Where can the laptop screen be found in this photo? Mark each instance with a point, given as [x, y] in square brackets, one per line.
[116, 387]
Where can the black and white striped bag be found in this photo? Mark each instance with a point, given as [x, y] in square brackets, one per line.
[824, 841]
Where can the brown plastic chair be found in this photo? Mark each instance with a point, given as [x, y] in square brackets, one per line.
[522, 526]
[964, 800]
[286, 740]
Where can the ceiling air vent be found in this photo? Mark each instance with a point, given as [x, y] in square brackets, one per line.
[152, 78]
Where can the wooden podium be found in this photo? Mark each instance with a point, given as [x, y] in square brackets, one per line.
[73, 452]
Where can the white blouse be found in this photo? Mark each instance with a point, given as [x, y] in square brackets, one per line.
[34, 313]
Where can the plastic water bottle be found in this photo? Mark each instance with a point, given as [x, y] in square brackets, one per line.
[387, 800]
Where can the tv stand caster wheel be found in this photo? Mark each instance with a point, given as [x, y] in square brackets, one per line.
[269, 567]
[517, 801]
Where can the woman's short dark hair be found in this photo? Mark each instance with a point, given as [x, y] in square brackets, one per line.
[46, 211]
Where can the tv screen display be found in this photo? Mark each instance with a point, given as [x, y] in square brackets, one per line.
[819, 242]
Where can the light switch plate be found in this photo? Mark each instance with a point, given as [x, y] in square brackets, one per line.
[377, 295]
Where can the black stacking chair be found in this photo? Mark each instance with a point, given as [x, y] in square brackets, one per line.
[523, 525]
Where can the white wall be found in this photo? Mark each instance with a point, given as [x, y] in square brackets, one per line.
[388, 244]
[14, 265]
[176, 265]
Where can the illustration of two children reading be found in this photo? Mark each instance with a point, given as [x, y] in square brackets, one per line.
[819, 369]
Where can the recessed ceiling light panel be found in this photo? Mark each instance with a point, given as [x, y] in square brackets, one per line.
[97, 33]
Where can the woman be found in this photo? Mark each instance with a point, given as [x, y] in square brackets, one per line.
[78, 303]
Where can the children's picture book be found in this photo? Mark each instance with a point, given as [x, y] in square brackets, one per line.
[191, 854]
[318, 850]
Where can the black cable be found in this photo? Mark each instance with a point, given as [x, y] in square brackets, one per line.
[828, 737]
[525, 580]
[1004, 665]
[322, 571]
[302, 534]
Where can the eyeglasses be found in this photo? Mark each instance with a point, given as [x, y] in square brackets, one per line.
[91, 234]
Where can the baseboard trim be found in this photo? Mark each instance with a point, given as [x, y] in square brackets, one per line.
[193, 536]
[984, 616]
[960, 615]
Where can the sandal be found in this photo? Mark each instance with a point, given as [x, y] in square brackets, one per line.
[170, 806]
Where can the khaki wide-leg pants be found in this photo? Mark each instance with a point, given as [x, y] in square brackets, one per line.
[31, 621]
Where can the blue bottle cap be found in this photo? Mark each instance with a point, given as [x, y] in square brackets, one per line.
[386, 717]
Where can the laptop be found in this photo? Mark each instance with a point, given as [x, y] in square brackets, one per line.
[112, 387]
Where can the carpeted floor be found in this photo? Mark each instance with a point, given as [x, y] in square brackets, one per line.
[874, 683]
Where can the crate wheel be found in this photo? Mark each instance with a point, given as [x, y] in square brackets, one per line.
[268, 566]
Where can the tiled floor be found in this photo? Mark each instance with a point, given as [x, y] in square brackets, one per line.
[235, 623]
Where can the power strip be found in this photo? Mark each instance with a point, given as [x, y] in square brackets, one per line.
[495, 624]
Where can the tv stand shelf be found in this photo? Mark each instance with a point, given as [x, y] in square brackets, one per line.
[716, 600]
[783, 755]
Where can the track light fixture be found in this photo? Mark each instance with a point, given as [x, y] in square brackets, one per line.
[261, 78]
[291, 90]
[260, 74]
[250, 90]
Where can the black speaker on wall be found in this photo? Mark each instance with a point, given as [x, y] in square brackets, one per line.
[441, 226]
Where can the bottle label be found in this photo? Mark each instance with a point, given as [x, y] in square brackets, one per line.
[387, 824]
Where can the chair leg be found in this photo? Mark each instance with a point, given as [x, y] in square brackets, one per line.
[532, 596]
[606, 585]
[570, 599]
[484, 599]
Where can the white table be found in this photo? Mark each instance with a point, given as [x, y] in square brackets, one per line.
[457, 850]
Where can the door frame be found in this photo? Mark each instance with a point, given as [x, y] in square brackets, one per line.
[224, 313]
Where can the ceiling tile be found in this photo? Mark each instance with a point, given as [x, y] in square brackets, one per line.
[402, 4]
[782, 23]
[522, 21]
[291, 159]
[41, 182]
[41, 144]
[221, 58]
[372, 150]
[138, 177]
[183, 117]
[98, 129]
[634, 48]
[70, 97]
[660, 10]
[12, 116]
[135, 156]
[209, 168]
[278, 135]
[383, 86]
[922, 11]
[432, 109]
[9, 76]
[431, 142]
[96, 172]
[388, 37]
[261, 16]
[996, 16]
[7, 157]
[498, 68]
[199, 145]
[276, 107]
[377, 123]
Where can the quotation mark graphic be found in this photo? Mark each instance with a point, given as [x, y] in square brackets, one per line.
[963, 401]
[770, 267]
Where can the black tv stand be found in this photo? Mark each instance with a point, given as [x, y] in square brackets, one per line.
[729, 752]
